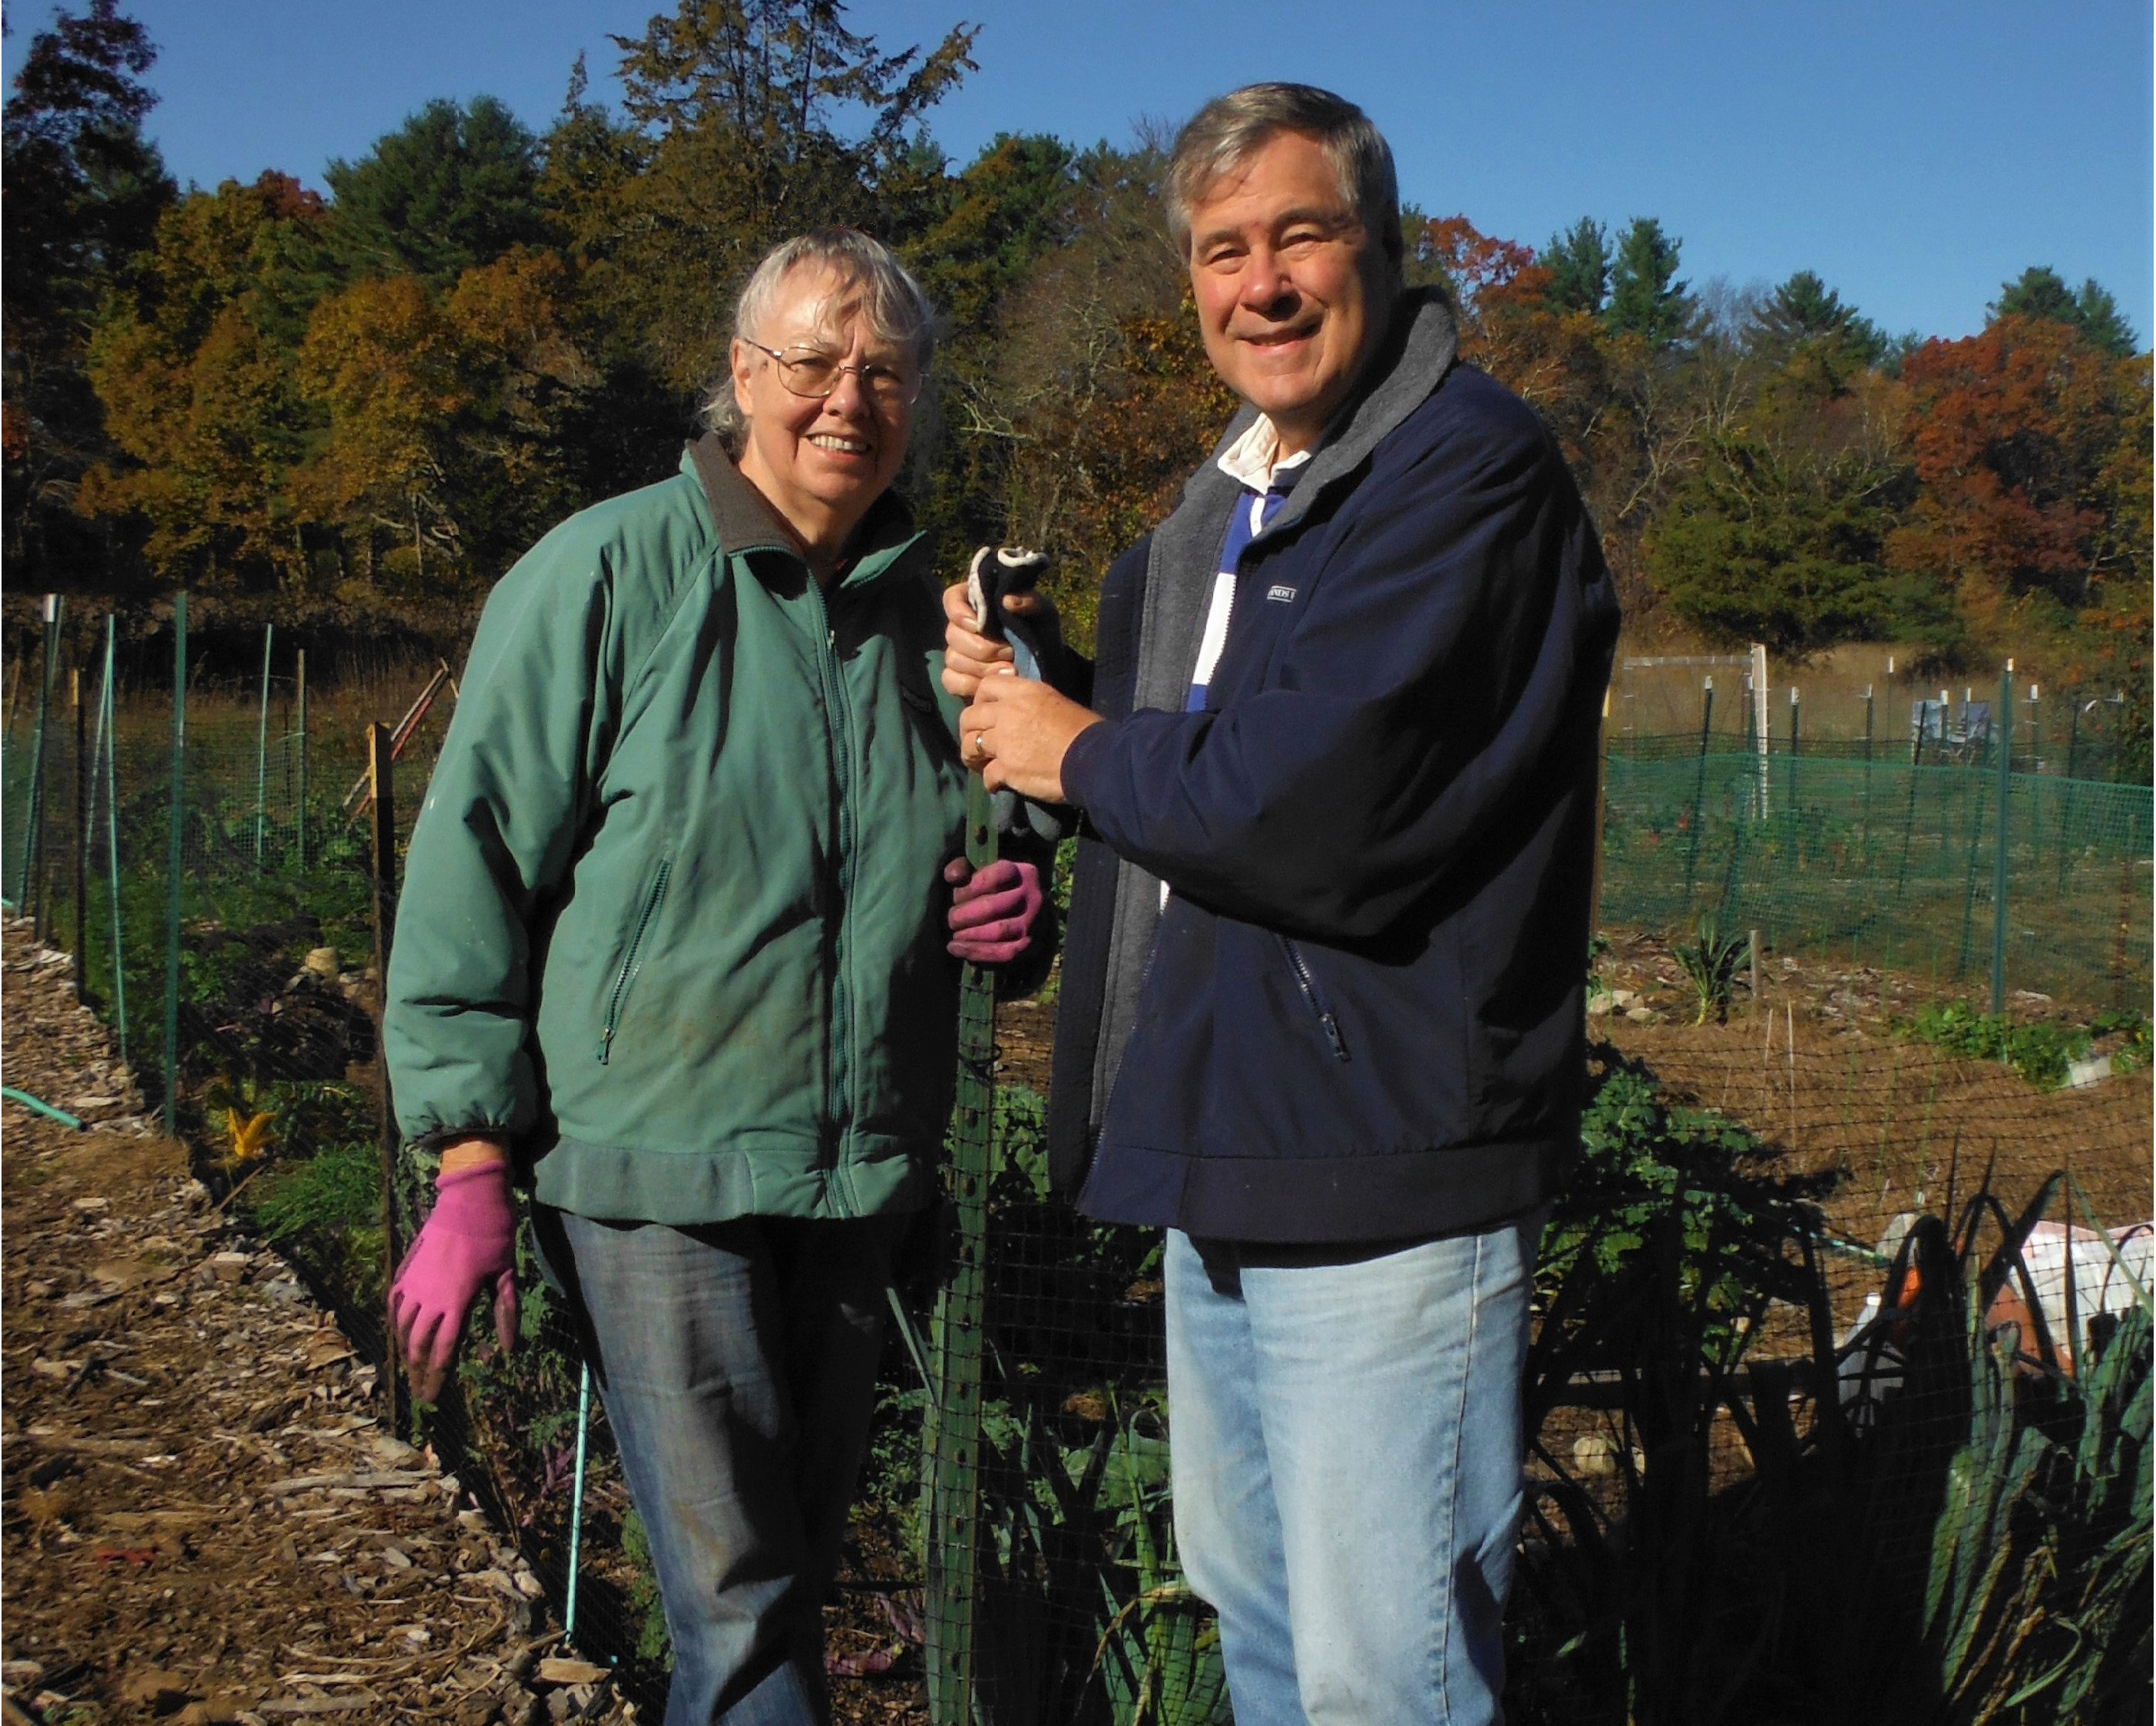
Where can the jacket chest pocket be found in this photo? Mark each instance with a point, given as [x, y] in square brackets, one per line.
[632, 958]
[1269, 597]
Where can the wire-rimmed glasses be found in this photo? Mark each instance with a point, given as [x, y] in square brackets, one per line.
[810, 373]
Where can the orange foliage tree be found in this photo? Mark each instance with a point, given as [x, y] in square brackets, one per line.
[2017, 435]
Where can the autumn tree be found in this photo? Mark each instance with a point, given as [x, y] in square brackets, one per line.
[2014, 433]
[193, 365]
[446, 417]
[1097, 399]
[83, 192]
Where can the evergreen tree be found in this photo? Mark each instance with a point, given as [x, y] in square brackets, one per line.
[758, 119]
[1578, 264]
[451, 188]
[1759, 544]
[1645, 297]
[84, 190]
[1803, 310]
[1011, 204]
[2041, 291]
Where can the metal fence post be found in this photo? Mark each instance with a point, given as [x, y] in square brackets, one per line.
[1759, 719]
[2036, 753]
[1699, 787]
[381, 787]
[262, 746]
[1909, 815]
[2005, 748]
[81, 858]
[29, 895]
[108, 730]
[301, 676]
[952, 1453]
[576, 1507]
[1864, 820]
[173, 877]
[1796, 828]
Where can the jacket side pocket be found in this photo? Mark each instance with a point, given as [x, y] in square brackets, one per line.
[1307, 985]
[632, 962]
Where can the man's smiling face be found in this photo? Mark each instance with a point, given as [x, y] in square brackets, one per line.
[1292, 292]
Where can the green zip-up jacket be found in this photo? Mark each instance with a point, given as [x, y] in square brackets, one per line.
[672, 921]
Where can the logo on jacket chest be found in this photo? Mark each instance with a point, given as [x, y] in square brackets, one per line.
[1281, 595]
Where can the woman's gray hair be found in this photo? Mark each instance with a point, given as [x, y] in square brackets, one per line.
[872, 284]
[1228, 129]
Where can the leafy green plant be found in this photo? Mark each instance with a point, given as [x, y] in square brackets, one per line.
[1935, 1525]
[1159, 1651]
[652, 1642]
[1709, 962]
[2134, 1049]
[2040, 1050]
[330, 1205]
[2038, 1600]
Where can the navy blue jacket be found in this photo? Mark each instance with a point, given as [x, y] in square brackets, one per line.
[1360, 1017]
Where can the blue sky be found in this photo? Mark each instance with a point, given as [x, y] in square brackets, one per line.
[1914, 155]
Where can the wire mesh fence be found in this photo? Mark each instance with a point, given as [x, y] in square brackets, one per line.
[1897, 866]
[1761, 1351]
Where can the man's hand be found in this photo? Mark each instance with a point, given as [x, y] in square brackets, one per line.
[969, 655]
[1016, 733]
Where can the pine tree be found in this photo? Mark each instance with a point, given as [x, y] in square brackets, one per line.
[1805, 310]
[2041, 291]
[1645, 297]
[1578, 262]
[761, 118]
[452, 189]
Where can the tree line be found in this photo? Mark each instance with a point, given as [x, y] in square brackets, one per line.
[356, 406]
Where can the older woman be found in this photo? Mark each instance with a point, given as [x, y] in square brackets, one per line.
[673, 949]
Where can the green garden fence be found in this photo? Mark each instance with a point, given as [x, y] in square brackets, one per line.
[1890, 865]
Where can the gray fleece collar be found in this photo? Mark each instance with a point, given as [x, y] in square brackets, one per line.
[1420, 348]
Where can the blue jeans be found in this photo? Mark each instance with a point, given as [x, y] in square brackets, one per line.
[1347, 1458]
[737, 1364]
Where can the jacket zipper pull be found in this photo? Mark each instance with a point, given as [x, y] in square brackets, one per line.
[1333, 1035]
[606, 1044]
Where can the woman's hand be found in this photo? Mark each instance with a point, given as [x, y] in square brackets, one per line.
[468, 1241]
[994, 912]
[969, 655]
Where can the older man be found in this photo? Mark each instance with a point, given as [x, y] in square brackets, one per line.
[1322, 1012]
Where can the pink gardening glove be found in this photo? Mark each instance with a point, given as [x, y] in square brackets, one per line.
[468, 1241]
[992, 915]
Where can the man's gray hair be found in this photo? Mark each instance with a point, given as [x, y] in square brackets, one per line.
[1228, 129]
[872, 284]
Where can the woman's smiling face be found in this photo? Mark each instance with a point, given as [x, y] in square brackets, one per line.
[820, 464]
